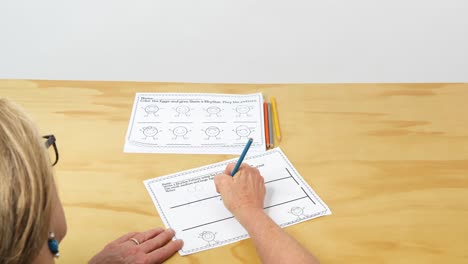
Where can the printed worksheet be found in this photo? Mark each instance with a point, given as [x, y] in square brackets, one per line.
[188, 202]
[195, 123]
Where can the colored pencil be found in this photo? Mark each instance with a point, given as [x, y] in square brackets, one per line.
[275, 118]
[265, 121]
[270, 126]
[242, 156]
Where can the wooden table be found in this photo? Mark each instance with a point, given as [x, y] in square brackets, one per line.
[391, 161]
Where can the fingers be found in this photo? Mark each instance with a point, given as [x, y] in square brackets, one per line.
[222, 181]
[147, 235]
[157, 241]
[154, 246]
[231, 166]
[165, 252]
[124, 238]
[245, 170]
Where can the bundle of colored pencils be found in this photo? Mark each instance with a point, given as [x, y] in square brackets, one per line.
[272, 128]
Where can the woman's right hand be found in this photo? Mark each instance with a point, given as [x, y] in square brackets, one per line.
[243, 193]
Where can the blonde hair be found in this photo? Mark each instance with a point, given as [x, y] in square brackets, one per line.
[26, 182]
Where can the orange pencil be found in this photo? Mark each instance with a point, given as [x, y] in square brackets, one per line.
[265, 117]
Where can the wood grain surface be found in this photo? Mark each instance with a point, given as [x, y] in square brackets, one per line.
[390, 160]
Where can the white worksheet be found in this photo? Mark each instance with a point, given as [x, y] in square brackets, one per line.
[195, 123]
[188, 202]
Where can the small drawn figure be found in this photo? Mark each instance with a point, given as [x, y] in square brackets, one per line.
[180, 131]
[213, 110]
[150, 131]
[243, 131]
[182, 110]
[209, 237]
[298, 212]
[212, 132]
[151, 110]
[243, 110]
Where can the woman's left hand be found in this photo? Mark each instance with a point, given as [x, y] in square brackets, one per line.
[152, 246]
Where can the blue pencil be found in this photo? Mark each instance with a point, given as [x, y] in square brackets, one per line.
[242, 156]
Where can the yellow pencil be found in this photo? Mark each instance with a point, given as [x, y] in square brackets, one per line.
[275, 118]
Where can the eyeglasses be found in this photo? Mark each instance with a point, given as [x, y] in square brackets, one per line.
[51, 142]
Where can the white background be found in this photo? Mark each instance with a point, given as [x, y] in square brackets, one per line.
[235, 41]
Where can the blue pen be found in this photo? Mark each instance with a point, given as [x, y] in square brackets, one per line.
[242, 156]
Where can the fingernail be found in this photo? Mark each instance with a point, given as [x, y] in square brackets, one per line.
[170, 230]
[180, 241]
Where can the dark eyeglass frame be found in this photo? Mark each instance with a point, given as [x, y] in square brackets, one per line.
[51, 142]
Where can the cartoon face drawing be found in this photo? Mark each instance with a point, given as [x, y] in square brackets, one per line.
[213, 110]
[243, 131]
[182, 109]
[297, 211]
[180, 131]
[212, 131]
[151, 110]
[243, 109]
[207, 236]
[150, 131]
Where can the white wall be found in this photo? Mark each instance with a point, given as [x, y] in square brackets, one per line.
[256, 41]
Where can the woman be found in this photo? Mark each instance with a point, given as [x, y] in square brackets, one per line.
[32, 221]
[30, 210]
